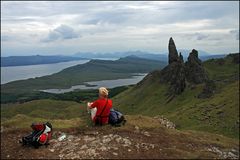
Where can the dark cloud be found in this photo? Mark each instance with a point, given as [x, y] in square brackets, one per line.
[197, 36]
[61, 32]
[200, 36]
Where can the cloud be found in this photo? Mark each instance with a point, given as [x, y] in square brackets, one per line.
[66, 32]
[197, 36]
[109, 26]
[235, 33]
[200, 36]
[61, 32]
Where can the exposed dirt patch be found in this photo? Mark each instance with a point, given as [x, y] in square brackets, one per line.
[107, 142]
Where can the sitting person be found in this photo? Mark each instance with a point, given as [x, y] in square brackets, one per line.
[100, 108]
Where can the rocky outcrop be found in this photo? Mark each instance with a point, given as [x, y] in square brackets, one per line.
[195, 72]
[165, 122]
[174, 72]
[177, 73]
[94, 146]
[173, 54]
[181, 57]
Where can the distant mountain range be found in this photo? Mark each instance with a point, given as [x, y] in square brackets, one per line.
[140, 54]
[39, 59]
[35, 59]
[147, 55]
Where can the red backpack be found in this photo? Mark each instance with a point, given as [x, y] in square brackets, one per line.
[41, 134]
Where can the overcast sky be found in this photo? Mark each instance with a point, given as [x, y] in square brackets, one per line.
[51, 28]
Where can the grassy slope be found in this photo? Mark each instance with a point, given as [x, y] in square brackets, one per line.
[62, 114]
[218, 114]
[91, 71]
[66, 114]
[77, 95]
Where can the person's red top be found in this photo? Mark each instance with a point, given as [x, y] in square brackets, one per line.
[100, 104]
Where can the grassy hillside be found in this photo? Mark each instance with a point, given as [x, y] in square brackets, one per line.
[63, 110]
[92, 71]
[69, 114]
[63, 114]
[77, 96]
[217, 114]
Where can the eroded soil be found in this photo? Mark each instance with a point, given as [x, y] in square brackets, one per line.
[108, 142]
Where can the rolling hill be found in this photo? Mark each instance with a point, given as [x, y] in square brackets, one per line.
[92, 71]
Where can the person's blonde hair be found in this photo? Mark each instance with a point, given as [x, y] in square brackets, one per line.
[103, 91]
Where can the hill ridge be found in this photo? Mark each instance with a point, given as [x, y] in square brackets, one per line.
[209, 104]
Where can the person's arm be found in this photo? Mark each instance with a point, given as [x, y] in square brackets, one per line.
[89, 104]
[93, 104]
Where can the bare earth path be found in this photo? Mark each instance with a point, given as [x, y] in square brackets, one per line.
[108, 142]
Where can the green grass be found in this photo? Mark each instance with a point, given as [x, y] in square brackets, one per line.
[218, 71]
[72, 115]
[217, 114]
[62, 114]
[77, 96]
[23, 121]
[202, 122]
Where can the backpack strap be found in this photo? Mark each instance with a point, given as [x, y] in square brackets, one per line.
[100, 115]
[104, 109]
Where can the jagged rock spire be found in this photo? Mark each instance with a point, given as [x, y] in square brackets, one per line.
[181, 57]
[193, 57]
[177, 73]
[173, 54]
[174, 73]
[195, 72]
